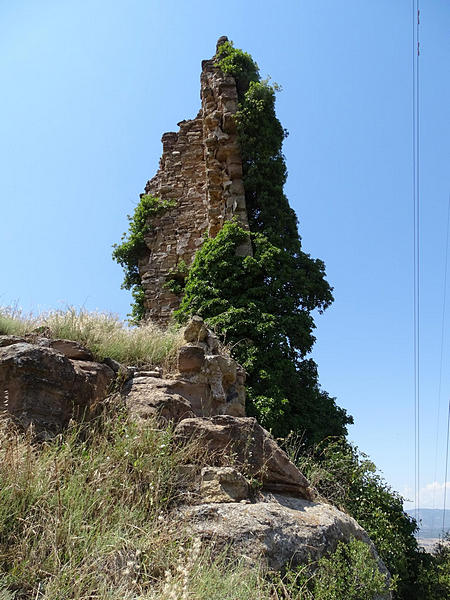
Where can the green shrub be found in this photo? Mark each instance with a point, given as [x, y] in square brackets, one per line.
[347, 478]
[434, 573]
[350, 573]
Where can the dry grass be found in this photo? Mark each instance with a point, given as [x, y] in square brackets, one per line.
[86, 516]
[104, 334]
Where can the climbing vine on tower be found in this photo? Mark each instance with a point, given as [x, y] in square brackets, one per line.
[133, 247]
[262, 305]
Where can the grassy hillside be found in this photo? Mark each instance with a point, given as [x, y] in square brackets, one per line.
[104, 334]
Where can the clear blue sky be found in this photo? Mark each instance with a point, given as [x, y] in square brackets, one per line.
[88, 88]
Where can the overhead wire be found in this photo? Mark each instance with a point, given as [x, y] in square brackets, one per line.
[416, 250]
[440, 376]
[441, 363]
[446, 469]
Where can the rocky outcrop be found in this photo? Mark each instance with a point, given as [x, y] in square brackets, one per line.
[41, 386]
[201, 171]
[277, 532]
[248, 498]
[250, 448]
[208, 382]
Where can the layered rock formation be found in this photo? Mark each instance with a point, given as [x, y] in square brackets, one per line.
[45, 383]
[208, 382]
[278, 531]
[201, 170]
[248, 497]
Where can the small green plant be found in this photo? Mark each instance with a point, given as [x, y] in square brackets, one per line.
[238, 63]
[176, 278]
[350, 573]
[132, 247]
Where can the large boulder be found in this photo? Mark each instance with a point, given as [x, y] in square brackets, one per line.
[279, 532]
[41, 386]
[250, 447]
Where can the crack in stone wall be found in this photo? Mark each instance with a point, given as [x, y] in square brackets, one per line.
[201, 170]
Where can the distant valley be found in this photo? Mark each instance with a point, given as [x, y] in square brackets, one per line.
[431, 521]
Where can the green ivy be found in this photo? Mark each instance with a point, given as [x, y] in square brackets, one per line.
[237, 63]
[267, 328]
[133, 247]
[176, 278]
[262, 304]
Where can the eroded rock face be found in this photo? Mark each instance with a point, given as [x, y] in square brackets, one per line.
[71, 349]
[223, 484]
[278, 532]
[41, 386]
[208, 382]
[251, 448]
[153, 397]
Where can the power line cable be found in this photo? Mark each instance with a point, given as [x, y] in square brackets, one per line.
[416, 249]
[446, 469]
[441, 361]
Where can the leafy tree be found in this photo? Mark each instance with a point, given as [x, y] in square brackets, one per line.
[347, 478]
[262, 305]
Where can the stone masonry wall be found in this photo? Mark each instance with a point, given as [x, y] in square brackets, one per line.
[200, 169]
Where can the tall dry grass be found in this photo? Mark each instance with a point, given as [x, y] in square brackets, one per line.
[86, 516]
[83, 514]
[104, 334]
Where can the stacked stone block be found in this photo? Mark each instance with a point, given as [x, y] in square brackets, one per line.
[201, 171]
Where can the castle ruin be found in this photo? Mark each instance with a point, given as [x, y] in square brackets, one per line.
[201, 171]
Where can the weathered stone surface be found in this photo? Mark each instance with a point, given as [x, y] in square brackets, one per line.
[43, 387]
[279, 532]
[223, 484]
[155, 373]
[154, 397]
[71, 349]
[8, 340]
[191, 359]
[251, 447]
[195, 330]
[201, 170]
[207, 383]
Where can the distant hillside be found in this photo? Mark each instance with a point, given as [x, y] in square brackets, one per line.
[431, 521]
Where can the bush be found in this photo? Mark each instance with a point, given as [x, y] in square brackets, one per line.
[347, 478]
[350, 573]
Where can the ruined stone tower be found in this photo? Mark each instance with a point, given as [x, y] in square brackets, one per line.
[201, 170]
